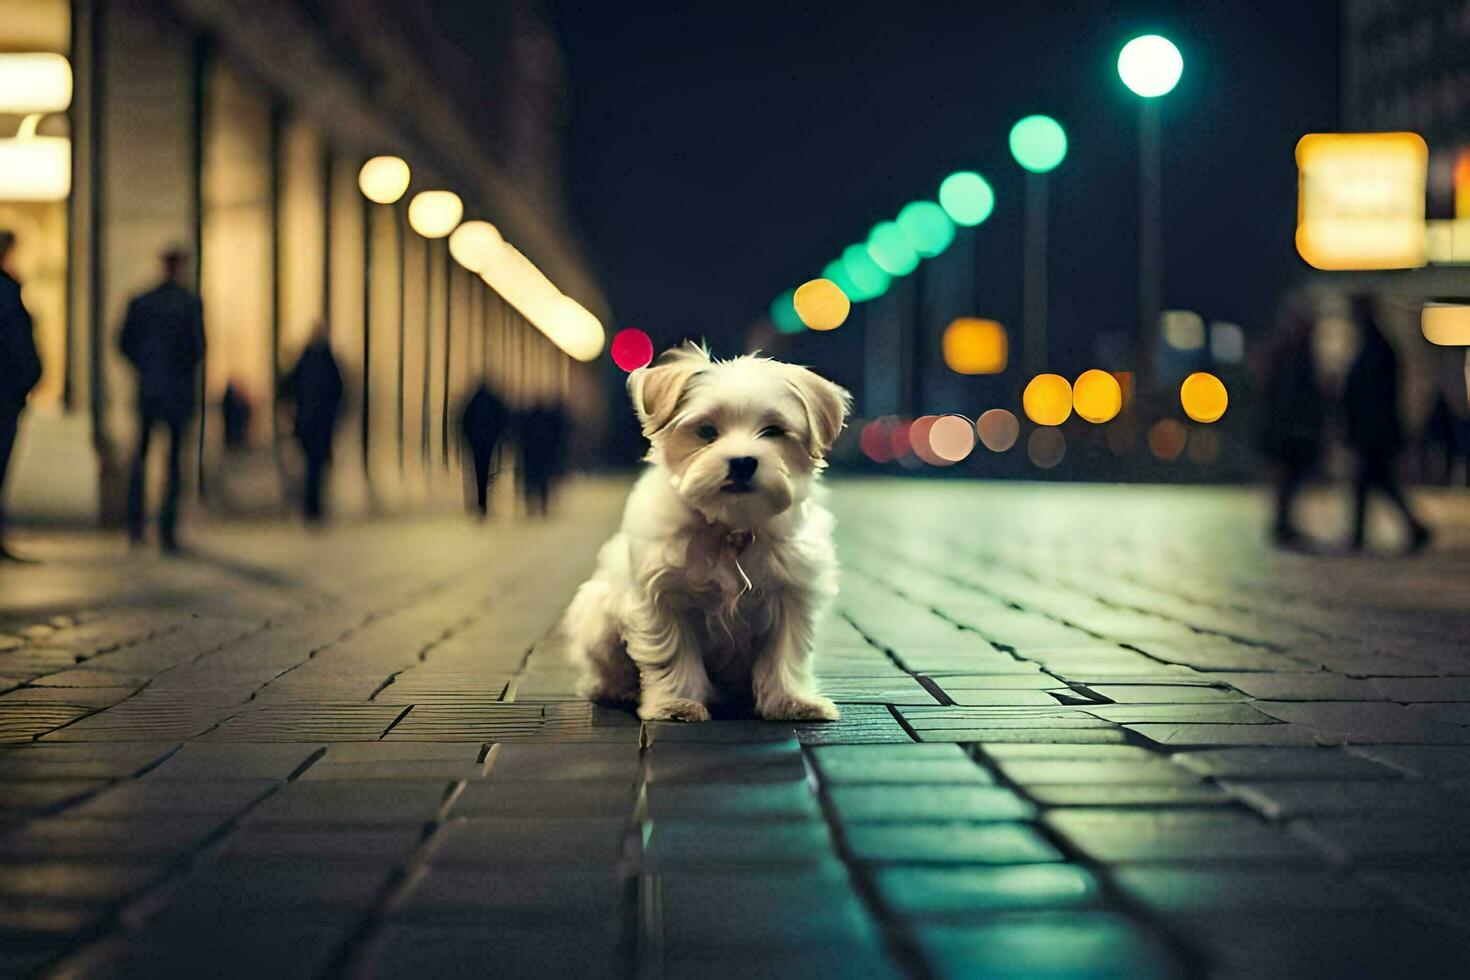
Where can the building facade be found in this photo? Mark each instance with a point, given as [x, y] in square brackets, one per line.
[237, 131]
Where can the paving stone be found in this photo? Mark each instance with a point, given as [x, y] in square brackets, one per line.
[1308, 686]
[1185, 735]
[914, 802]
[1047, 944]
[1383, 839]
[915, 763]
[519, 761]
[900, 690]
[141, 840]
[84, 697]
[1438, 891]
[72, 880]
[770, 762]
[732, 801]
[337, 845]
[743, 732]
[204, 760]
[937, 892]
[281, 883]
[525, 895]
[1103, 734]
[816, 962]
[169, 797]
[510, 798]
[696, 845]
[352, 802]
[1005, 751]
[499, 842]
[1168, 891]
[1338, 943]
[703, 910]
[423, 949]
[860, 724]
[1420, 760]
[1404, 689]
[404, 751]
[1193, 714]
[1033, 679]
[1006, 698]
[1132, 770]
[1119, 795]
[448, 770]
[1453, 713]
[44, 794]
[283, 945]
[952, 843]
[1282, 800]
[1165, 693]
[1367, 723]
[1175, 835]
[1283, 763]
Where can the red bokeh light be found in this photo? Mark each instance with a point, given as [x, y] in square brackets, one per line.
[876, 442]
[631, 349]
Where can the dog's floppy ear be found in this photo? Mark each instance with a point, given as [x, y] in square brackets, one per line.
[656, 389]
[826, 404]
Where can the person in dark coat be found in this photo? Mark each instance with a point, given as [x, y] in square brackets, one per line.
[314, 387]
[235, 410]
[1293, 415]
[163, 338]
[543, 448]
[20, 368]
[482, 424]
[1370, 402]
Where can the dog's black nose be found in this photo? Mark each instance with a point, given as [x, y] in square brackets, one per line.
[742, 468]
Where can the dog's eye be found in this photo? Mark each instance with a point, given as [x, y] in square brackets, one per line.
[707, 432]
[772, 432]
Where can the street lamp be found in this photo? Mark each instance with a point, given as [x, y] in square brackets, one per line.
[1039, 145]
[382, 180]
[433, 214]
[1150, 66]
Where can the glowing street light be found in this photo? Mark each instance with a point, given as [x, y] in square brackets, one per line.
[820, 304]
[889, 247]
[383, 180]
[434, 214]
[783, 313]
[1039, 145]
[34, 83]
[967, 198]
[865, 274]
[927, 227]
[473, 244]
[1150, 66]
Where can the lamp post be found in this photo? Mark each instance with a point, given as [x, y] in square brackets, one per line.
[1039, 145]
[382, 180]
[1150, 65]
[433, 214]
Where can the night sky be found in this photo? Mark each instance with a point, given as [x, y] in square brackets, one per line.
[720, 152]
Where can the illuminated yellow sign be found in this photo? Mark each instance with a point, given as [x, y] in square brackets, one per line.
[1360, 201]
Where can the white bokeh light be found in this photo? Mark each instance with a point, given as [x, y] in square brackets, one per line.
[1150, 65]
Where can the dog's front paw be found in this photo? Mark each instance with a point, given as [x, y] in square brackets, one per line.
[799, 708]
[674, 709]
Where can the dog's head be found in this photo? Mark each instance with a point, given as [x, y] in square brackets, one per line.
[741, 439]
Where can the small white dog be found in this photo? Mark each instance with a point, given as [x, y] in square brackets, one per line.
[725, 559]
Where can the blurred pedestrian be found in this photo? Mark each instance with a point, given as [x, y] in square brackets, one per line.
[163, 338]
[20, 368]
[314, 387]
[1293, 415]
[482, 424]
[543, 448]
[1370, 401]
[236, 410]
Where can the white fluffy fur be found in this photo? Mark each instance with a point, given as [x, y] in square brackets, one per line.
[706, 593]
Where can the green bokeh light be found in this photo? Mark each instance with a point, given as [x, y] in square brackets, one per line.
[1038, 143]
[890, 248]
[967, 198]
[783, 313]
[927, 227]
[864, 273]
[837, 272]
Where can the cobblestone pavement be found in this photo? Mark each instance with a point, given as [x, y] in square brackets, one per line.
[1087, 732]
